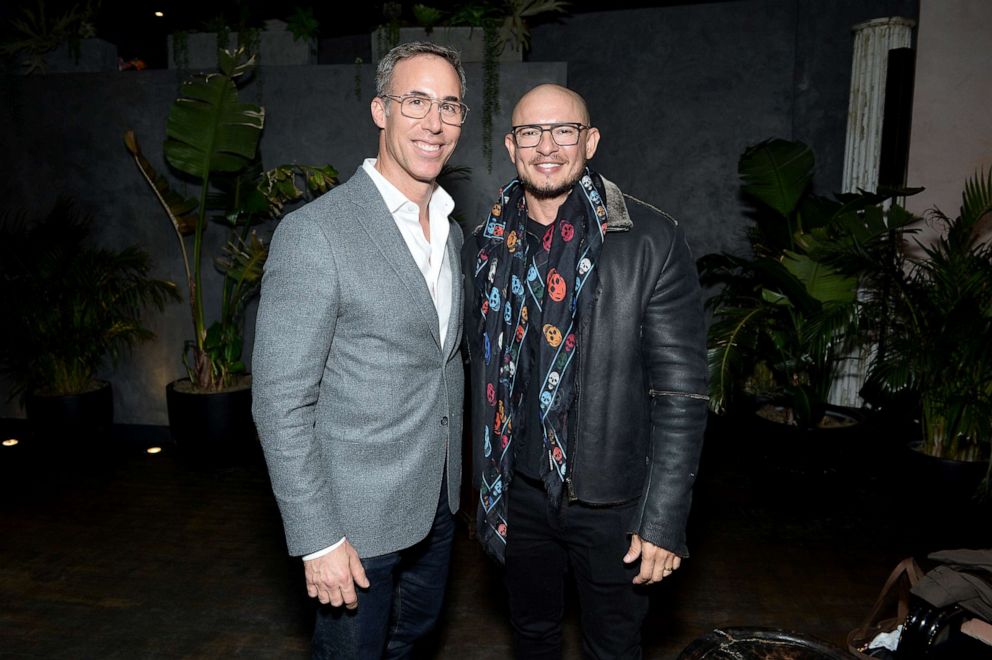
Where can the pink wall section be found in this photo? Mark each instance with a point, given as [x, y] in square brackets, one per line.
[952, 106]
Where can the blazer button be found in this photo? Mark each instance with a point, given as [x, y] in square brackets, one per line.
[444, 421]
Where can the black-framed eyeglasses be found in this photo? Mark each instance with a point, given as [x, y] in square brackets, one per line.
[565, 134]
[416, 106]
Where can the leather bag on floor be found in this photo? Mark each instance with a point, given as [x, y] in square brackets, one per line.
[890, 609]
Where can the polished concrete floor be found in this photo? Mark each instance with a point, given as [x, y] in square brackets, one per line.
[107, 552]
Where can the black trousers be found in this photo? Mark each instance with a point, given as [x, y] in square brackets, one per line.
[591, 541]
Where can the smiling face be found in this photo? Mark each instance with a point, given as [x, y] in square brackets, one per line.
[549, 171]
[413, 151]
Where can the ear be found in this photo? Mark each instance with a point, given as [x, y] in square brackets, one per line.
[511, 147]
[592, 141]
[379, 112]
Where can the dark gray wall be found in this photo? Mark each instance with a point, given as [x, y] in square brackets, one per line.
[65, 135]
[678, 92]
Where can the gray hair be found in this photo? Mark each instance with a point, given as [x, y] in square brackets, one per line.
[384, 72]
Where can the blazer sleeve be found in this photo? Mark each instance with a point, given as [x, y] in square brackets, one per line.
[295, 326]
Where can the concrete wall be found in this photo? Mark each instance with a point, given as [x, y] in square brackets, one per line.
[65, 135]
[678, 92]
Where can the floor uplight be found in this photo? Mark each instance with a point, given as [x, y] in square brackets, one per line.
[154, 450]
[10, 442]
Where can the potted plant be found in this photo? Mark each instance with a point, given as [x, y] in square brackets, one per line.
[213, 137]
[927, 307]
[784, 317]
[42, 40]
[70, 306]
[487, 31]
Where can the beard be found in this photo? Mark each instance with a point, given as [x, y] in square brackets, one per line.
[549, 191]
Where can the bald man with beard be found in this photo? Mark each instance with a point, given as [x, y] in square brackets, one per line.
[586, 338]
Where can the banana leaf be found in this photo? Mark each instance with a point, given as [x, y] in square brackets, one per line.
[209, 130]
[777, 173]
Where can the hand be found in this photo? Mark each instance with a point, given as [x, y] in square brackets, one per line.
[331, 578]
[656, 562]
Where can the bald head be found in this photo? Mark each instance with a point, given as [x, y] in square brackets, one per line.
[549, 169]
[549, 103]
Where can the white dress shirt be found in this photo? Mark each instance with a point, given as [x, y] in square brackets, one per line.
[431, 256]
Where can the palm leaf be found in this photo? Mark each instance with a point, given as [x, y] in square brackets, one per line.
[976, 198]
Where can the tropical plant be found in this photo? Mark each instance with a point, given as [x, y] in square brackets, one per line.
[302, 23]
[784, 319]
[213, 137]
[70, 305]
[36, 33]
[927, 307]
[510, 18]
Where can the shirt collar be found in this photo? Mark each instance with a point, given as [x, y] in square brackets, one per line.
[441, 202]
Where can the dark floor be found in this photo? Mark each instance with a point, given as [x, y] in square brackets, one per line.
[112, 553]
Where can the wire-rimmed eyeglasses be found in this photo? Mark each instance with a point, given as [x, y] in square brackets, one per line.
[416, 106]
[565, 134]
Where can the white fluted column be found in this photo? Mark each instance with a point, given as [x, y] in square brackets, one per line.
[872, 42]
[866, 106]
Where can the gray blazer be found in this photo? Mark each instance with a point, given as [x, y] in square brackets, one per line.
[357, 404]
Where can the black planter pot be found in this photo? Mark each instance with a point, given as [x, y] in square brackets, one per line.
[941, 481]
[72, 421]
[786, 449]
[212, 427]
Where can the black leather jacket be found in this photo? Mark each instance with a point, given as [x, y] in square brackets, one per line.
[641, 377]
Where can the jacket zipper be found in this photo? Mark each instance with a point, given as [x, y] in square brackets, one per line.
[688, 395]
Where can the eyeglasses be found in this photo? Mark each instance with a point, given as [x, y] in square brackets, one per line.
[415, 106]
[564, 134]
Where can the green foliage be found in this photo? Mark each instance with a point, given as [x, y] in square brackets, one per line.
[70, 305]
[36, 32]
[927, 305]
[212, 136]
[511, 17]
[519, 12]
[490, 90]
[784, 317]
[302, 23]
[426, 16]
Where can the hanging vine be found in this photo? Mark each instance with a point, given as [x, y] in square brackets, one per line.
[358, 77]
[180, 50]
[490, 90]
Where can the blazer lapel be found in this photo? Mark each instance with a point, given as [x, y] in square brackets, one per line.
[453, 337]
[385, 236]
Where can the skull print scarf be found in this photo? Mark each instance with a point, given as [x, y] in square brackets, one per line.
[508, 288]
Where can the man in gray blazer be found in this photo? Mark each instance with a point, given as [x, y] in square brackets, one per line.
[358, 382]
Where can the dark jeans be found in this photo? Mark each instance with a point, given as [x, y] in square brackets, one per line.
[401, 605]
[592, 541]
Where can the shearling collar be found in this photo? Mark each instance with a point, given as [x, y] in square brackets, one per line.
[618, 219]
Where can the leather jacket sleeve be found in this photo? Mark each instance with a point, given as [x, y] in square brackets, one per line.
[674, 348]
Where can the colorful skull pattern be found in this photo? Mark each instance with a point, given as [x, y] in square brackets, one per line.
[552, 334]
[556, 286]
